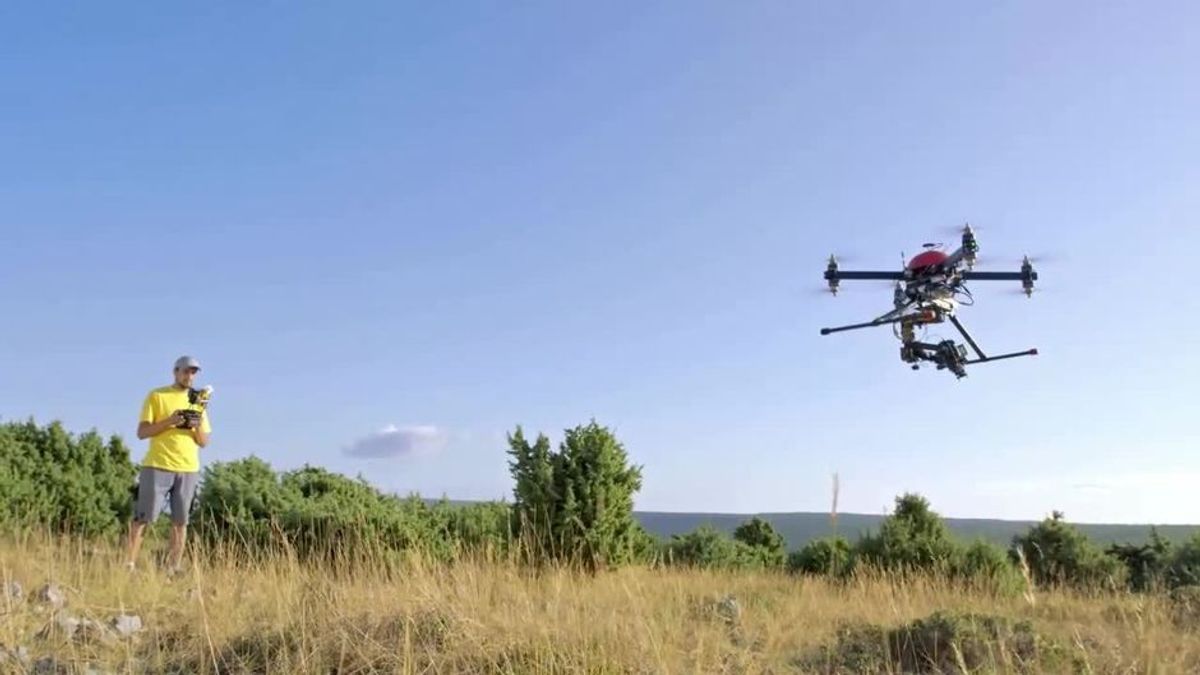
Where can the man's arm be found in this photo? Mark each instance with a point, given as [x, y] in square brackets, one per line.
[148, 429]
[201, 430]
[200, 436]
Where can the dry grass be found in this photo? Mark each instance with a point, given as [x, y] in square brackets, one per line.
[282, 617]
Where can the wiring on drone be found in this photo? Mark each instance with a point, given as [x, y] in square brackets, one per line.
[965, 292]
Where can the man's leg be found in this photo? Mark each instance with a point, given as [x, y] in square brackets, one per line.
[183, 489]
[148, 504]
[178, 539]
[136, 530]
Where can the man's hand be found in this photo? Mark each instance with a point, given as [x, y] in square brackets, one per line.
[191, 419]
[148, 429]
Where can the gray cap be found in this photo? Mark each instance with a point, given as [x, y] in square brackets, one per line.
[186, 362]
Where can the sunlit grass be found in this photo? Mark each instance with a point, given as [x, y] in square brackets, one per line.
[281, 616]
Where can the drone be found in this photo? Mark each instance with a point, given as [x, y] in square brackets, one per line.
[928, 291]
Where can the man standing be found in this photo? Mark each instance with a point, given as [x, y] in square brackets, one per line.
[177, 428]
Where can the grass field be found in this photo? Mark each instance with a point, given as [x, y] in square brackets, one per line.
[283, 617]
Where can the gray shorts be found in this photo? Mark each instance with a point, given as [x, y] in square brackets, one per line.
[156, 486]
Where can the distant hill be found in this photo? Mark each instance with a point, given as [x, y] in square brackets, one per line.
[799, 528]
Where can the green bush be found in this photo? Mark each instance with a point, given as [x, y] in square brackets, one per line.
[1183, 568]
[912, 539]
[313, 513]
[49, 478]
[761, 536]
[1058, 554]
[707, 548]
[987, 566]
[1146, 565]
[831, 556]
[941, 643]
[576, 504]
[483, 527]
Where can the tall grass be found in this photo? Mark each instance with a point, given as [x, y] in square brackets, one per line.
[380, 613]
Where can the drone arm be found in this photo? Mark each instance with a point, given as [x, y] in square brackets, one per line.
[851, 276]
[996, 276]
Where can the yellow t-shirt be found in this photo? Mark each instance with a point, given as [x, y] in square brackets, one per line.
[173, 449]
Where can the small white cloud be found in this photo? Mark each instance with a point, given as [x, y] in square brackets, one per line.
[394, 441]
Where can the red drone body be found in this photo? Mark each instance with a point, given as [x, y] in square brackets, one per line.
[929, 258]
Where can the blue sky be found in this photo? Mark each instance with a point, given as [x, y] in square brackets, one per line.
[393, 233]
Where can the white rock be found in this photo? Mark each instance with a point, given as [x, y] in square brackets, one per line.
[52, 595]
[126, 625]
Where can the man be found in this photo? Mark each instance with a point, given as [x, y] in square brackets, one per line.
[171, 468]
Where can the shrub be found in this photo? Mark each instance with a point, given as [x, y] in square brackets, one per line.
[1146, 565]
[312, 512]
[827, 556]
[79, 485]
[576, 504]
[912, 539]
[1059, 554]
[707, 548]
[761, 536]
[1183, 568]
[941, 643]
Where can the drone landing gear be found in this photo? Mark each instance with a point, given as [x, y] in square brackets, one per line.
[907, 320]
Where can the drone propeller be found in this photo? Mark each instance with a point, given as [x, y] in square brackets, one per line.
[1046, 257]
[1052, 257]
[855, 287]
[1020, 292]
[957, 230]
[851, 259]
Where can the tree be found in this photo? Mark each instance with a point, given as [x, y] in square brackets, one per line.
[913, 538]
[1058, 553]
[1145, 564]
[576, 504]
[1184, 566]
[761, 536]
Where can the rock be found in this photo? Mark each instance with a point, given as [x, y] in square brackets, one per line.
[126, 625]
[48, 665]
[729, 609]
[63, 624]
[52, 595]
[19, 655]
[94, 631]
[14, 590]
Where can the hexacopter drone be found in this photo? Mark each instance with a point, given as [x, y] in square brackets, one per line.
[928, 291]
